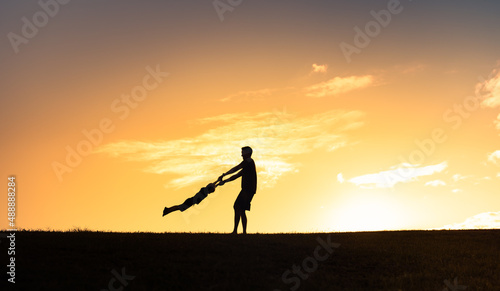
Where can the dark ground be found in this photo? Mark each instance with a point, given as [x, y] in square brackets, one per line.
[404, 260]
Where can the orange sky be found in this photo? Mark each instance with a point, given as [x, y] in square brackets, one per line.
[113, 110]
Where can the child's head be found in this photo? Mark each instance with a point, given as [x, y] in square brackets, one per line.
[211, 187]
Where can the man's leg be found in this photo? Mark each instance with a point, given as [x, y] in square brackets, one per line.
[244, 221]
[236, 220]
[248, 198]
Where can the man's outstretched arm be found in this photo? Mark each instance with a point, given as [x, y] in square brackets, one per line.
[233, 170]
[232, 178]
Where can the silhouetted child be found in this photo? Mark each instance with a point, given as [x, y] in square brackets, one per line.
[196, 199]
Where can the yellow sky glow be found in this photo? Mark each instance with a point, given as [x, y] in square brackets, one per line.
[105, 122]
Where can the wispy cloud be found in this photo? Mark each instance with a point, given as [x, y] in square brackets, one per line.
[497, 122]
[494, 157]
[253, 95]
[460, 177]
[413, 68]
[399, 174]
[486, 220]
[276, 138]
[339, 85]
[319, 68]
[435, 183]
[490, 90]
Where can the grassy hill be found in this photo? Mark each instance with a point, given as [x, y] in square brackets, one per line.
[403, 260]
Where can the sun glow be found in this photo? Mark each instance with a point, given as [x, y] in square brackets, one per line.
[396, 134]
[368, 214]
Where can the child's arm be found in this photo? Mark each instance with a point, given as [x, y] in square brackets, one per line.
[215, 184]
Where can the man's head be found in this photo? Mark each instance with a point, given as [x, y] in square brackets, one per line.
[246, 152]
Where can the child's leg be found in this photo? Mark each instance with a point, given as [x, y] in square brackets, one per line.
[187, 203]
[168, 210]
[202, 194]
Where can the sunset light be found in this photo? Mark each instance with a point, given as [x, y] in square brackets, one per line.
[362, 115]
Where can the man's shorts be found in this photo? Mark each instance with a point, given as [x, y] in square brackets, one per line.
[243, 201]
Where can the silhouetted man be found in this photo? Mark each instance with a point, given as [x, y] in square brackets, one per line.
[248, 176]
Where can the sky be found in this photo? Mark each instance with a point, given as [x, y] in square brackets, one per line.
[363, 115]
